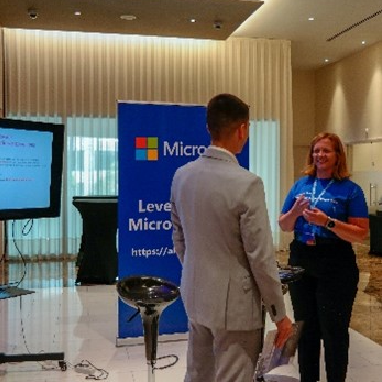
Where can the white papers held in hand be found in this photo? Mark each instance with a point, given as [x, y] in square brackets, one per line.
[276, 364]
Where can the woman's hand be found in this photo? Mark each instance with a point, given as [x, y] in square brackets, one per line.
[300, 205]
[315, 216]
[354, 230]
[288, 220]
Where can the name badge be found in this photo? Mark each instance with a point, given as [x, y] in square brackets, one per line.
[309, 238]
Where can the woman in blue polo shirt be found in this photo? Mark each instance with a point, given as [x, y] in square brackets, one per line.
[327, 212]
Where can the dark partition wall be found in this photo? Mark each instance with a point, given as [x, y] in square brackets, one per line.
[376, 234]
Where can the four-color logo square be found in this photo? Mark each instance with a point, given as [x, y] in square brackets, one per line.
[146, 148]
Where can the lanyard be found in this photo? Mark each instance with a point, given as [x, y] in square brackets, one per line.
[314, 199]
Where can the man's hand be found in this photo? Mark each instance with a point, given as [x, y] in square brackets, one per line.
[284, 331]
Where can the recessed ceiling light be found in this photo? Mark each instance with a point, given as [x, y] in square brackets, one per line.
[326, 59]
[193, 20]
[311, 18]
[363, 42]
[77, 13]
[128, 17]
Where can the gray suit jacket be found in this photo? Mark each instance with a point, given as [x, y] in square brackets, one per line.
[222, 236]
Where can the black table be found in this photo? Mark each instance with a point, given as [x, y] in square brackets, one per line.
[98, 263]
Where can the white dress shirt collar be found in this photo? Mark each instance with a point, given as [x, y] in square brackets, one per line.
[224, 151]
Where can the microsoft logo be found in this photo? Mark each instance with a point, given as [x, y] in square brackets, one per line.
[146, 148]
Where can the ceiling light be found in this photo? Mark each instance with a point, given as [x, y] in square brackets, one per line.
[128, 17]
[326, 59]
[218, 24]
[77, 13]
[311, 18]
[33, 13]
[363, 42]
[193, 20]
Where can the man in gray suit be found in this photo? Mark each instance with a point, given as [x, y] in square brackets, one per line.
[222, 236]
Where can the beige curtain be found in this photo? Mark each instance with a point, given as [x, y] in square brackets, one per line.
[71, 75]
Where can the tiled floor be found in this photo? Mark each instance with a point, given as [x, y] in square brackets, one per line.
[82, 322]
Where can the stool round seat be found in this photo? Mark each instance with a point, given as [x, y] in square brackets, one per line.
[147, 291]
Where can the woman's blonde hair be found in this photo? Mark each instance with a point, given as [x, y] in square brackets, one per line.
[341, 170]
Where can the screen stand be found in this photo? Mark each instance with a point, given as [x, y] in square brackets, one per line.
[14, 291]
[36, 357]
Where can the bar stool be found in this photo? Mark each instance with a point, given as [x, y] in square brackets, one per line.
[151, 295]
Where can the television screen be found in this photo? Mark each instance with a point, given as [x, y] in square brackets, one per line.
[31, 162]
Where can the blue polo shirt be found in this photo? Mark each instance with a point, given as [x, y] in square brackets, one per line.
[341, 200]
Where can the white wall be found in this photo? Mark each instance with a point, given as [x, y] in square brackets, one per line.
[348, 96]
[367, 171]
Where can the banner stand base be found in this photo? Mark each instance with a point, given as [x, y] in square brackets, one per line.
[138, 341]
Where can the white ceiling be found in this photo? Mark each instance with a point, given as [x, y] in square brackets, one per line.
[350, 21]
[345, 23]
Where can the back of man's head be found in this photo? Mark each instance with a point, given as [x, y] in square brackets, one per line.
[222, 111]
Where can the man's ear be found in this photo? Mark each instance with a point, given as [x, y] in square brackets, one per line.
[240, 131]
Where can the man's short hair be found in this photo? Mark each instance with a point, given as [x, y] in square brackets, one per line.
[222, 111]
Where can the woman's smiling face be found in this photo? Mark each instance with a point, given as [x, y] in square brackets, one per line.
[325, 158]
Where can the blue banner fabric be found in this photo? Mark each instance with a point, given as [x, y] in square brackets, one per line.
[153, 141]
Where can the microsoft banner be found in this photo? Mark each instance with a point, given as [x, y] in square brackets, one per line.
[153, 141]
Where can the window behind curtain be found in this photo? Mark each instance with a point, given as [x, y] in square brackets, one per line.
[264, 160]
